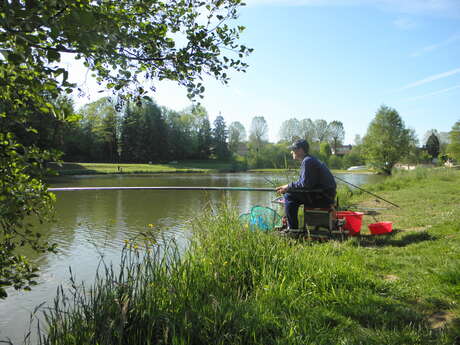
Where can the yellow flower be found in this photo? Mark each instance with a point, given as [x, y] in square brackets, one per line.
[151, 225]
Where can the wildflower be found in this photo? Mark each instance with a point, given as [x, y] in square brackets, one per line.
[151, 225]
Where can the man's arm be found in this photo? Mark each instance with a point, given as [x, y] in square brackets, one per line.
[309, 176]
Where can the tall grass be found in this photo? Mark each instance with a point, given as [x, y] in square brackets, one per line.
[240, 287]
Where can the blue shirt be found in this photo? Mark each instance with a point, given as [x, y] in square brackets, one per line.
[314, 174]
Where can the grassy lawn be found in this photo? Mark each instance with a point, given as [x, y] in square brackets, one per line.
[108, 168]
[241, 287]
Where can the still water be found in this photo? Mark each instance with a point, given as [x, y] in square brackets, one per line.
[94, 224]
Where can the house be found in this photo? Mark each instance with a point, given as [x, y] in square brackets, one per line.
[342, 150]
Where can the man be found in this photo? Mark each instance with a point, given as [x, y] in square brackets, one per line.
[316, 186]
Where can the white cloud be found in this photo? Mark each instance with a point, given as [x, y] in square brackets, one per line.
[444, 7]
[405, 23]
[430, 48]
[431, 78]
[434, 93]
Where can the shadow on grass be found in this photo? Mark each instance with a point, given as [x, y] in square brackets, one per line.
[390, 240]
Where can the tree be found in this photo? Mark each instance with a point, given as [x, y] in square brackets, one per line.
[325, 150]
[101, 127]
[152, 141]
[413, 153]
[433, 146]
[322, 132]
[236, 135]
[335, 162]
[290, 130]
[220, 138]
[386, 141]
[258, 136]
[454, 147]
[358, 140]
[259, 131]
[307, 130]
[122, 42]
[337, 134]
[205, 138]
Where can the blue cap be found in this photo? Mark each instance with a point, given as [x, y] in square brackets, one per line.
[300, 144]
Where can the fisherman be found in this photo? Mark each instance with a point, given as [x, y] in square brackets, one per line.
[316, 186]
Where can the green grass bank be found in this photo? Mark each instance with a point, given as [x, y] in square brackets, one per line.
[208, 166]
[240, 287]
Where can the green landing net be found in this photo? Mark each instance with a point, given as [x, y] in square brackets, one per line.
[261, 218]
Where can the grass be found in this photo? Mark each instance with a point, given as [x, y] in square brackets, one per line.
[179, 167]
[241, 287]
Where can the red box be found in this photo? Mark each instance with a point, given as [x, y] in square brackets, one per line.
[353, 221]
[380, 228]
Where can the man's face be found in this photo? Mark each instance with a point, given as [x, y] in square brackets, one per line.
[298, 154]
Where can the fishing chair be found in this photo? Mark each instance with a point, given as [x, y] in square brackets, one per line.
[323, 222]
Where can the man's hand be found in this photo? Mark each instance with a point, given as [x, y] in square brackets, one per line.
[282, 189]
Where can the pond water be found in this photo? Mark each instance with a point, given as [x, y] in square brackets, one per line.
[92, 224]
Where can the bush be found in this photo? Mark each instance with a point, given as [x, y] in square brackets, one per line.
[335, 162]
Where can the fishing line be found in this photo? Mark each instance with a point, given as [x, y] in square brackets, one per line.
[351, 184]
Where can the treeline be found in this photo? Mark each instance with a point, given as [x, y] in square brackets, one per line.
[104, 131]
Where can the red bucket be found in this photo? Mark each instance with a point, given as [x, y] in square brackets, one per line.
[380, 228]
[353, 221]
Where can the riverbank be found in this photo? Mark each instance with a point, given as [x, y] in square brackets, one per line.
[208, 166]
[241, 287]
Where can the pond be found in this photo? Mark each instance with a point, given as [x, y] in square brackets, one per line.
[94, 224]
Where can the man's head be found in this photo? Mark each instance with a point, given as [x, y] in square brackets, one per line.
[299, 149]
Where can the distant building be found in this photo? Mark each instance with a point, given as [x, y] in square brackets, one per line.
[342, 150]
[242, 149]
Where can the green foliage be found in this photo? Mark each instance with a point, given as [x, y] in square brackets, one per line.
[23, 194]
[219, 135]
[290, 130]
[204, 138]
[335, 162]
[236, 136]
[386, 141]
[433, 146]
[325, 150]
[269, 156]
[122, 42]
[454, 147]
[337, 133]
[354, 158]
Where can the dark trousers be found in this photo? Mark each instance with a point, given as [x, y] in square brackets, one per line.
[293, 200]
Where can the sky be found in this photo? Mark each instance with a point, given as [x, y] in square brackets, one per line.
[335, 60]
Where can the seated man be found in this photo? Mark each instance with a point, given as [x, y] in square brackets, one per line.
[316, 186]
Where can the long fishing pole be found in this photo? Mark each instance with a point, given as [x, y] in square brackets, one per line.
[351, 184]
[243, 189]
[170, 188]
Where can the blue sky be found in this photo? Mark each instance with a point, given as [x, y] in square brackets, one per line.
[341, 60]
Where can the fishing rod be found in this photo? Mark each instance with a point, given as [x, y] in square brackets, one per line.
[236, 189]
[169, 188]
[351, 184]
[242, 189]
